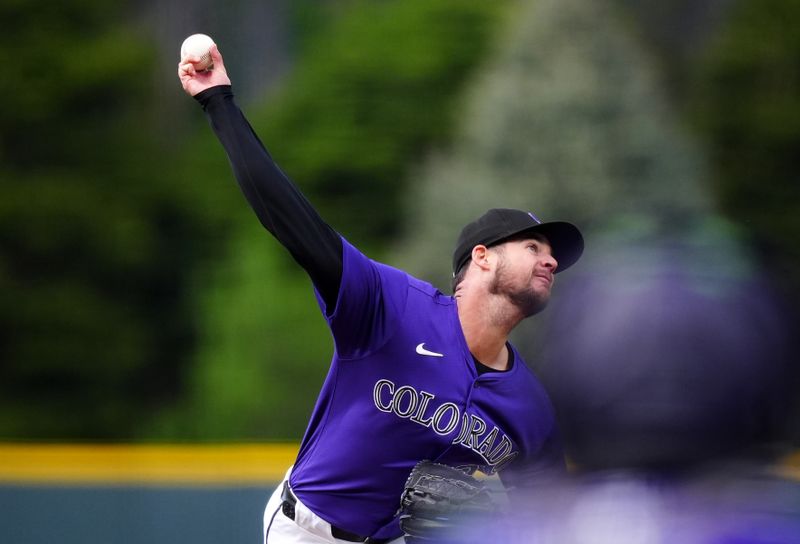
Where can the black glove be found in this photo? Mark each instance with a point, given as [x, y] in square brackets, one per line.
[441, 504]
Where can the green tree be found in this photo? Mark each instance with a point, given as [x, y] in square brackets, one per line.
[95, 237]
[568, 120]
[745, 99]
[372, 93]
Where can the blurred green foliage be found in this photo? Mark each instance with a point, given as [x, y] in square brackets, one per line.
[573, 129]
[745, 100]
[371, 94]
[95, 236]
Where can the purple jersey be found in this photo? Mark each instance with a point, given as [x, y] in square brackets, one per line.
[403, 387]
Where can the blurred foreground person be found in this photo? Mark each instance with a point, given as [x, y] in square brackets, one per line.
[673, 394]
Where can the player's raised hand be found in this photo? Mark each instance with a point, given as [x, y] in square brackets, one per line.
[195, 81]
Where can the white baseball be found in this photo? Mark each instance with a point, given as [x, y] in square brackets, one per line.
[198, 45]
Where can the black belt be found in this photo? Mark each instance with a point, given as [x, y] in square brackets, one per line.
[288, 507]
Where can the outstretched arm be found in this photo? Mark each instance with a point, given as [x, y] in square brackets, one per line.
[278, 203]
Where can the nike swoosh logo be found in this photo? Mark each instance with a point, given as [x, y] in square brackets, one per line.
[422, 351]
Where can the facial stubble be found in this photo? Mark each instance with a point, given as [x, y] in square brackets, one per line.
[525, 298]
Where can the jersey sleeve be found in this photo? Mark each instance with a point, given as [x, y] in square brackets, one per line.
[370, 305]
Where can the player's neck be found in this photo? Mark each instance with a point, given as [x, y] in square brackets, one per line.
[486, 324]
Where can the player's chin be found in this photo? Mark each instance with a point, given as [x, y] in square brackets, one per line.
[531, 301]
[541, 288]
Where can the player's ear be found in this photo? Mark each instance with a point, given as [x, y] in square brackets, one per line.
[480, 256]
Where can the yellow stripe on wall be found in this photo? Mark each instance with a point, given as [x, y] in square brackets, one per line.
[149, 464]
[145, 464]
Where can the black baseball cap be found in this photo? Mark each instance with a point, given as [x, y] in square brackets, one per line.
[499, 224]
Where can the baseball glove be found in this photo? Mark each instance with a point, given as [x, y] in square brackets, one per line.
[440, 501]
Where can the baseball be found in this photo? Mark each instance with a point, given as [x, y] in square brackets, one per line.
[198, 45]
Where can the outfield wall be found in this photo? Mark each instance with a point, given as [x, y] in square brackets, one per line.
[171, 494]
[132, 494]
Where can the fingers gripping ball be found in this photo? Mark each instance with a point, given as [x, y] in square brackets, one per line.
[198, 45]
[439, 502]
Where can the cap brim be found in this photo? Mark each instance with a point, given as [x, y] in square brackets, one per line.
[566, 241]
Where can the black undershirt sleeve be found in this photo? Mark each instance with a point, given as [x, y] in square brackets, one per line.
[278, 203]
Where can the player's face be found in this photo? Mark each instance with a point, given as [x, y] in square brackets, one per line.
[525, 274]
